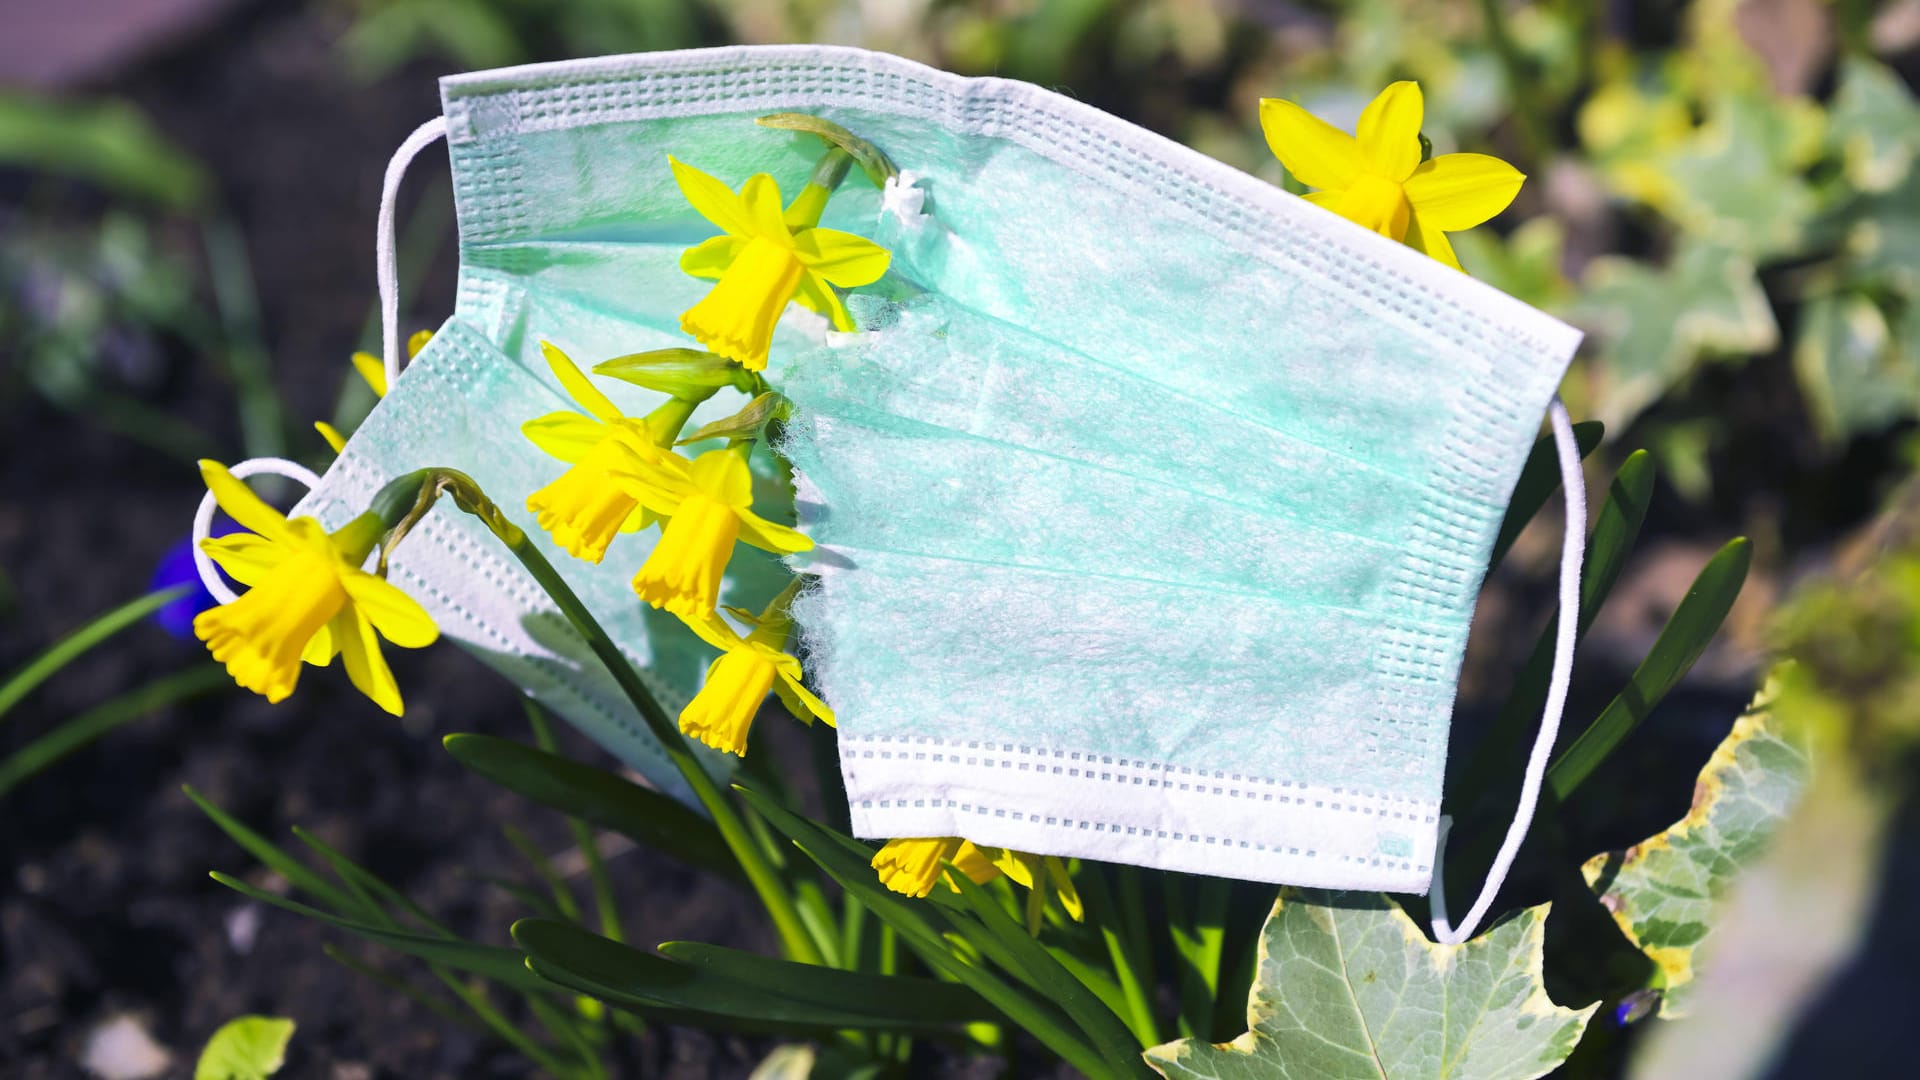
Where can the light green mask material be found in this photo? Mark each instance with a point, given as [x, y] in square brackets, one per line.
[1151, 502]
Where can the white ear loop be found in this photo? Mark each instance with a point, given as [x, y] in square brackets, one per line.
[1573, 547]
[203, 517]
[387, 272]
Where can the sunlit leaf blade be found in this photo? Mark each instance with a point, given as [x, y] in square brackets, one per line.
[1874, 123]
[1539, 479]
[623, 975]
[871, 159]
[905, 998]
[1681, 641]
[1662, 891]
[247, 1048]
[597, 796]
[1349, 988]
[503, 965]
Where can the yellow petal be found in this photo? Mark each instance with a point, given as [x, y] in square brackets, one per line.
[768, 536]
[360, 651]
[724, 478]
[910, 866]
[710, 257]
[816, 295]
[246, 558]
[1375, 204]
[566, 435]
[372, 370]
[262, 636]
[683, 572]
[241, 504]
[713, 630]
[1423, 237]
[841, 258]
[332, 434]
[721, 715]
[1389, 131]
[398, 617]
[761, 197]
[577, 385]
[1017, 865]
[737, 318]
[1458, 191]
[1326, 200]
[1063, 885]
[321, 650]
[714, 200]
[802, 702]
[977, 863]
[417, 342]
[1314, 151]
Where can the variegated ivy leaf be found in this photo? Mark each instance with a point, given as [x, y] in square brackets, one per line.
[1874, 124]
[1663, 891]
[1350, 988]
[1737, 180]
[1854, 374]
[1883, 241]
[1655, 323]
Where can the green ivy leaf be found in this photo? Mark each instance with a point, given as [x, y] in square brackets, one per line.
[1657, 323]
[1663, 891]
[1883, 241]
[1350, 987]
[247, 1048]
[1855, 377]
[1737, 180]
[1873, 125]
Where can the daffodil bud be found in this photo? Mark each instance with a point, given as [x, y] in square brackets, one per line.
[692, 374]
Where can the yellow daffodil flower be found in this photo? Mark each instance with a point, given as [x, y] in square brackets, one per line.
[762, 262]
[308, 599]
[710, 508]
[375, 374]
[1378, 179]
[911, 866]
[588, 506]
[722, 713]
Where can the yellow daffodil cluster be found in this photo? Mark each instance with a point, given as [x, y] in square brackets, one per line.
[1376, 178]
[913, 866]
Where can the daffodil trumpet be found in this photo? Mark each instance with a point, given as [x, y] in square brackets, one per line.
[709, 507]
[766, 257]
[307, 600]
[748, 668]
[912, 866]
[588, 505]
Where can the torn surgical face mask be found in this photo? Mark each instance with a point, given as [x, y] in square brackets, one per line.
[1151, 502]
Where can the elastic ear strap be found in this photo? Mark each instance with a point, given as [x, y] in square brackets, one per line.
[1572, 549]
[388, 271]
[203, 517]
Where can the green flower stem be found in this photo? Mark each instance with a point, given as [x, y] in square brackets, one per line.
[431, 484]
[812, 200]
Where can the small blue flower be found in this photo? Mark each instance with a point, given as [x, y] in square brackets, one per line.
[1635, 1007]
[176, 568]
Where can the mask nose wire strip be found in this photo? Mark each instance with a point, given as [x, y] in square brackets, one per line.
[203, 517]
[388, 270]
[1572, 548]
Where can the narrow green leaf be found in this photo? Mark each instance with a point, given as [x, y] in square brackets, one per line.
[71, 647]
[1693, 625]
[503, 965]
[595, 795]
[73, 734]
[272, 857]
[108, 143]
[914, 924]
[871, 159]
[1615, 529]
[1539, 479]
[622, 974]
[367, 885]
[908, 998]
[246, 1048]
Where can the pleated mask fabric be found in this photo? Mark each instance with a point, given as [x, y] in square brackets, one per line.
[1150, 502]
